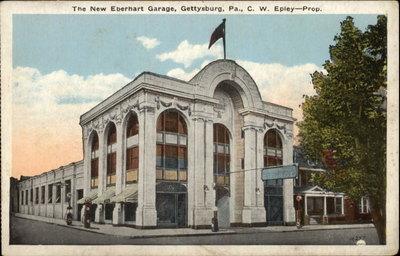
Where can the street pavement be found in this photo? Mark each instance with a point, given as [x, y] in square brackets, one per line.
[25, 231]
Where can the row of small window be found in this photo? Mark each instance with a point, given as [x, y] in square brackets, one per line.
[131, 177]
[171, 157]
[272, 152]
[24, 194]
[171, 138]
[221, 148]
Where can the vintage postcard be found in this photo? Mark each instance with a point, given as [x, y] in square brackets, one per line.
[199, 128]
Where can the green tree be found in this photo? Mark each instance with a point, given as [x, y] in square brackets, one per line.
[347, 117]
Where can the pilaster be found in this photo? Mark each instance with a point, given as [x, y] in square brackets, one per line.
[253, 208]
[146, 214]
[201, 180]
[117, 213]
[288, 206]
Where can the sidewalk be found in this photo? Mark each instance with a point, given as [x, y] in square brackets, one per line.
[109, 229]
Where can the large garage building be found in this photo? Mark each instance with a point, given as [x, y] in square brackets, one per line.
[162, 152]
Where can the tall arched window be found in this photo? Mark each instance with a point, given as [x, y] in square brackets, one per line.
[171, 161]
[111, 155]
[132, 149]
[94, 162]
[273, 153]
[222, 156]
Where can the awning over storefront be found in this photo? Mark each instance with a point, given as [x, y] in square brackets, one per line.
[105, 196]
[129, 194]
[90, 197]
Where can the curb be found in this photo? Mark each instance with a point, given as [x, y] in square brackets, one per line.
[298, 230]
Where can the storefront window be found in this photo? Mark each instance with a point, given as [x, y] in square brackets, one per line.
[94, 163]
[130, 211]
[171, 158]
[42, 195]
[58, 193]
[50, 198]
[67, 189]
[132, 149]
[221, 155]
[109, 208]
[111, 155]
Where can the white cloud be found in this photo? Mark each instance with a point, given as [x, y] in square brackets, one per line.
[186, 75]
[41, 98]
[182, 74]
[148, 43]
[282, 84]
[186, 53]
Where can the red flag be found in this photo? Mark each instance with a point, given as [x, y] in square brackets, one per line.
[218, 33]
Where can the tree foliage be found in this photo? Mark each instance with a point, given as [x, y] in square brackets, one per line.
[347, 117]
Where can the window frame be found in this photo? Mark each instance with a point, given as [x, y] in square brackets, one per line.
[221, 171]
[267, 156]
[176, 173]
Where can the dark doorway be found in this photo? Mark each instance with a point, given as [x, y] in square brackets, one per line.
[109, 208]
[171, 210]
[171, 205]
[273, 201]
[78, 217]
[93, 212]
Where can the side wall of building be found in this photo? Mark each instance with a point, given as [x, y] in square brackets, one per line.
[50, 193]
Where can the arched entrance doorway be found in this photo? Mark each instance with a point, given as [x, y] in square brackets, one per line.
[222, 160]
[171, 170]
[273, 189]
[228, 153]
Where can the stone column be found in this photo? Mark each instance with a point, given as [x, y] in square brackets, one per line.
[146, 214]
[253, 212]
[99, 214]
[34, 205]
[200, 182]
[208, 165]
[74, 195]
[53, 198]
[289, 217]
[117, 213]
[260, 166]
[86, 163]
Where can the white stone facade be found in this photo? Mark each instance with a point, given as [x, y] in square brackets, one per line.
[222, 92]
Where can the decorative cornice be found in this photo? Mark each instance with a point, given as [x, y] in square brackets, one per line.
[283, 127]
[160, 102]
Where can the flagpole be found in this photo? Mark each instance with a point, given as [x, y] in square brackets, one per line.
[223, 20]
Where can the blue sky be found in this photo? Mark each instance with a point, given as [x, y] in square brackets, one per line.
[92, 44]
[63, 65]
